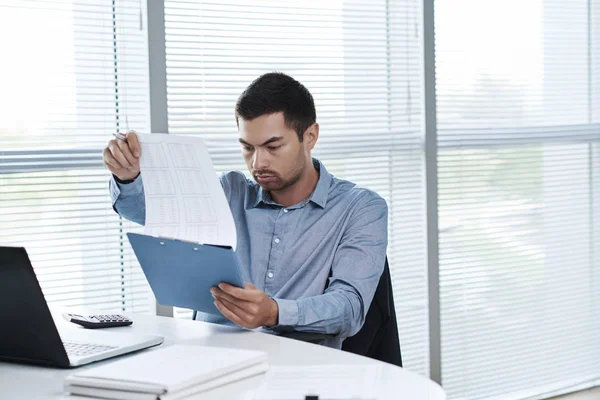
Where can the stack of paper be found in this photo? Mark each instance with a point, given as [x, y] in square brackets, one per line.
[169, 373]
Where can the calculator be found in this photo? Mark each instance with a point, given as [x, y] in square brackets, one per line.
[95, 321]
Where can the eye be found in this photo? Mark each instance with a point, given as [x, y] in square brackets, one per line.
[273, 147]
[248, 148]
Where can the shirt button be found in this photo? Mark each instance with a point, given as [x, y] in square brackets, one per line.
[270, 274]
[276, 240]
[285, 210]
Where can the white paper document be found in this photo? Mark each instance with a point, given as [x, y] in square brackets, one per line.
[171, 372]
[328, 382]
[184, 198]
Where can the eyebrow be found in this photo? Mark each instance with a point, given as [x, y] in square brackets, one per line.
[271, 140]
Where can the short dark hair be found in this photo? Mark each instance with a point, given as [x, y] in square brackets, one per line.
[276, 92]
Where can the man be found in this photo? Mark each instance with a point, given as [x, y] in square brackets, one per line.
[312, 246]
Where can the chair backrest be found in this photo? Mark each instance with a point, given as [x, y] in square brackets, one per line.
[378, 337]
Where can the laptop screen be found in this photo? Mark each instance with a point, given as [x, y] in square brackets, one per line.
[27, 330]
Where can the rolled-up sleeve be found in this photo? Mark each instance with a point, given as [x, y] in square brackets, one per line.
[357, 266]
[128, 199]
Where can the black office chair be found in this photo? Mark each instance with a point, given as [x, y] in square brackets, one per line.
[378, 337]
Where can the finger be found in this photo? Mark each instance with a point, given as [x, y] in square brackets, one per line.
[134, 143]
[249, 286]
[125, 149]
[240, 293]
[112, 163]
[118, 154]
[229, 314]
[219, 294]
[244, 315]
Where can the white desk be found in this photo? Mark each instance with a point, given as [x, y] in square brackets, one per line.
[32, 382]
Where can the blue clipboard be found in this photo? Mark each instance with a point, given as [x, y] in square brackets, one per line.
[181, 273]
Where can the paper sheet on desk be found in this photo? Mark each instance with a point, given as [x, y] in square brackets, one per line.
[184, 198]
[328, 382]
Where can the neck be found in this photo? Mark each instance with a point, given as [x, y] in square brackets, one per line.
[298, 191]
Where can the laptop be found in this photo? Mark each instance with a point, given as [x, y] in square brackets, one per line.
[28, 333]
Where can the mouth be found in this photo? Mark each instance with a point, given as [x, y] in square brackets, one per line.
[265, 178]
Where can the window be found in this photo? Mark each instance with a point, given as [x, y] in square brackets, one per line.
[75, 73]
[361, 60]
[518, 133]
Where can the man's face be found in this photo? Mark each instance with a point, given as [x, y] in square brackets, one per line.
[274, 155]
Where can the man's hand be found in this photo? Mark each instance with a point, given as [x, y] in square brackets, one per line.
[122, 157]
[249, 307]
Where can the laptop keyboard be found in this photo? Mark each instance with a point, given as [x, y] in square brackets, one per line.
[85, 349]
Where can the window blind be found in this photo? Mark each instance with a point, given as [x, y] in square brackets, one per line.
[72, 73]
[361, 60]
[519, 196]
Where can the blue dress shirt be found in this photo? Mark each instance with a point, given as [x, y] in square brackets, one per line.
[289, 252]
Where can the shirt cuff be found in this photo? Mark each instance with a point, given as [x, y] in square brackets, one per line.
[288, 312]
[125, 189]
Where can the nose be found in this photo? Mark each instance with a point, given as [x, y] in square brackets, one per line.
[260, 159]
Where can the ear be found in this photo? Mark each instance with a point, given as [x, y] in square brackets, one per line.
[311, 135]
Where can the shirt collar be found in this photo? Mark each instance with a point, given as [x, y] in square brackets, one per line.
[318, 196]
